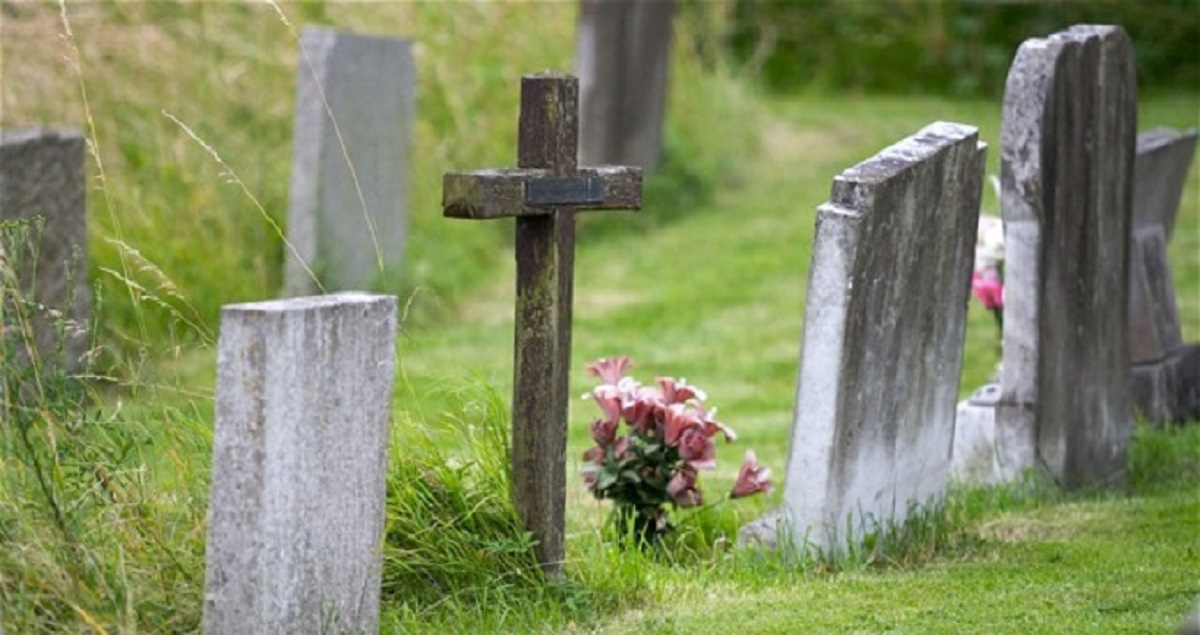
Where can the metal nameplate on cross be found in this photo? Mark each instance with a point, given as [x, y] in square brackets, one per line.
[543, 192]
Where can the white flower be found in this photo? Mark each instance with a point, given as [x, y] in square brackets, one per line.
[989, 243]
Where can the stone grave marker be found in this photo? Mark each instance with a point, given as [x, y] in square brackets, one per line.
[303, 411]
[355, 107]
[1166, 373]
[974, 458]
[43, 189]
[1067, 152]
[884, 327]
[543, 193]
[621, 59]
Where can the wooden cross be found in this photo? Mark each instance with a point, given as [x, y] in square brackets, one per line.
[543, 193]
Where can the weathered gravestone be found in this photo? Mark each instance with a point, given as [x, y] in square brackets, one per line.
[1166, 373]
[622, 62]
[542, 194]
[296, 522]
[355, 105]
[1067, 152]
[884, 323]
[43, 248]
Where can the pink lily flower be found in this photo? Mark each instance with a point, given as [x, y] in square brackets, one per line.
[608, 397]
[752, 478]
[593, 455]
[604, 432]
[989, 288]
[676, 421]
[674, 392]
[609, 369]
[697, 449]
[682, 488]
[621, 448]
[712, 426]
[640, 408]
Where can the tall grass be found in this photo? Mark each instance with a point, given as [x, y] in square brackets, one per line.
[161, 191]
[89, 539]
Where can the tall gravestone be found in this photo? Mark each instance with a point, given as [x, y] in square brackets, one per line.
[296, 521]
[884, 325]
[355, 106]
[1067, 152]
[42, 188]
[622, 62]
[1166, 372]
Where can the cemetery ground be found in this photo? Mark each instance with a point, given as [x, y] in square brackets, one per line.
[724, 312]
[707, 282]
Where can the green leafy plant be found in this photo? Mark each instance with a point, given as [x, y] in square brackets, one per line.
[668, 440]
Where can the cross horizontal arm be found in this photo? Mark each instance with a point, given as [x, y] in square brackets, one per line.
[482, 194]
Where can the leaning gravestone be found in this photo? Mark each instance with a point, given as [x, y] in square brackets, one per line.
[1165, 371]
[355, 104]
[1067, 152]
[296, 524]
[42, 189]
[622, 63]
[884, 325]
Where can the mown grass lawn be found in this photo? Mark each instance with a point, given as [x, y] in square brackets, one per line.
[1125, 565]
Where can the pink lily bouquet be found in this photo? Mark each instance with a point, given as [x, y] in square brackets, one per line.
[987, 277]
[667, 440]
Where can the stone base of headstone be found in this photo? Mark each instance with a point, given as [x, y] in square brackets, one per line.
[1191, 622]
[975, 459]
[1168, 391]
[762, 532]
[1188, 388]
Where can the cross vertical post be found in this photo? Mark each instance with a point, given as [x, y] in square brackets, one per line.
[545, 252]
[543, 193]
